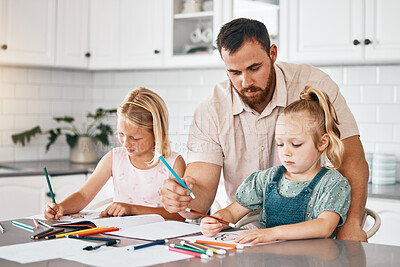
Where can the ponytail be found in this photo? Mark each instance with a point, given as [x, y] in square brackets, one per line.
[318, 105]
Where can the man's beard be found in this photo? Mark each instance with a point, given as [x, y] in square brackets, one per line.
[258, 98]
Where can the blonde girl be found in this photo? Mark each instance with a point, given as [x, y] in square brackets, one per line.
[136, 171]
[301, 198]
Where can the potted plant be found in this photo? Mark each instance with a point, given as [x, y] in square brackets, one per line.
[81, 141]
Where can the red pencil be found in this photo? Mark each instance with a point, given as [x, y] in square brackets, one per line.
[35, 223]
[191, 253]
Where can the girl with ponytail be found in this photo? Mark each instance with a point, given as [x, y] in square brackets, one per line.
[136, 171]
[305, 197]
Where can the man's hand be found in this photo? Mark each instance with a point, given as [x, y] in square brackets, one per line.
[174, 197]
[351, 230]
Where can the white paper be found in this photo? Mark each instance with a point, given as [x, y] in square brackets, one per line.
[43, 250]
[160, 230]
[119, 256]
[128, 221]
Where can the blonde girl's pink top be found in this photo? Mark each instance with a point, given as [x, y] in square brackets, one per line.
[136, 186]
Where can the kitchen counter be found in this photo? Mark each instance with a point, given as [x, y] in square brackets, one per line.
[54, 168]
[65, 167]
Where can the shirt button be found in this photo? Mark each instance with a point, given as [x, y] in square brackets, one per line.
[262, 148]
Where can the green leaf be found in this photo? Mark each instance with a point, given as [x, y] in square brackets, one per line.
[67, 119]
[53, 135]
[105, 130]
[71, 139]
[26, 136]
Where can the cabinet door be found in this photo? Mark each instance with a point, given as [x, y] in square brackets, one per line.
[72, 33]
[382, 21]
[104, 34]
[65, 185]
[323, 31]
[27, 31]
[141, 33]
[22, 196]
[389, 211]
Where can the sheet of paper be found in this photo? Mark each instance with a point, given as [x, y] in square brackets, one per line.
[160, 230]
[43, 250]
[128, 221]
[121, 257]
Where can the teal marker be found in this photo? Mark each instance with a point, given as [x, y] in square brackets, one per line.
[49, 185]
[176, 175]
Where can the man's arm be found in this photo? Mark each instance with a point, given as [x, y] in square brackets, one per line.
[355, 169]
[202, 178]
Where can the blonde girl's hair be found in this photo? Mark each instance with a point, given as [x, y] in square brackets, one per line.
[145, 109]
[319, 107]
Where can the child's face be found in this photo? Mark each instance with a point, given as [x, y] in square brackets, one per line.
[296, 148]
[137, 141]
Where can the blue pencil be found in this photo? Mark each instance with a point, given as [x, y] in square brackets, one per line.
[159, 242]
[176, 175]
[49, 185]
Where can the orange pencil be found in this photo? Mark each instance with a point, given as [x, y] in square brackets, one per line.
[206, 215]
[78, 232]
[238, 246]
[98, 231]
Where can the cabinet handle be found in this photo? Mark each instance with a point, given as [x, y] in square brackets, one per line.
[367, 41]
[356, 42]
[49, 195]
[87, 54]
[156, 51]
[4, 47]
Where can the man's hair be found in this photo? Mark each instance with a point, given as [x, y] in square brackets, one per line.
[234, 33]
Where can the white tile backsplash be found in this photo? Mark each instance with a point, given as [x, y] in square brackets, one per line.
[33, 96]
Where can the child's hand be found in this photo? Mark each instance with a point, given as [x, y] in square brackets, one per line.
[117, 209]
[53, 211]
[210, 226]
[256, 236]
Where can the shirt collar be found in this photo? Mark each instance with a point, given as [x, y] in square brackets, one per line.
[279, 97]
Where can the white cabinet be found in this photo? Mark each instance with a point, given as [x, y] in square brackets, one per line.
[190, 36]
[72, 40]
[27, 32]
[389, 211]
[126, 34]
[27, 195]
[342, 31]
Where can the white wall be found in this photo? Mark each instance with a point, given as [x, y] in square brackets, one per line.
[31, 96]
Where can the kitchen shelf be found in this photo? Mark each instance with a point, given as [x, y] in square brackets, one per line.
[195, 15]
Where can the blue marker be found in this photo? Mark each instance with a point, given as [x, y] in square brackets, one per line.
[160, 242]
[176, 175]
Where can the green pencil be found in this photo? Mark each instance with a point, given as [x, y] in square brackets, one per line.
[49, 185]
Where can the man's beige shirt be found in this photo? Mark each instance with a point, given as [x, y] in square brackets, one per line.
[227, 132]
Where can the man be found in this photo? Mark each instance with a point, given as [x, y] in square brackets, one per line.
[234, 128]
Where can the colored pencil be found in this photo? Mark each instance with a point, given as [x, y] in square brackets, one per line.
[97, 231]
[35, 223]
[206, 215]
[49, 185]
[92, 238]
[2, 229]
[78, 231]
[198, 250]
[220, 244]
[44, 224]
[159, 242]
[191, 253]
[214, 249]
[23, 226]
[51, 235]
[187, 244]
[176, 175]
[42, 234]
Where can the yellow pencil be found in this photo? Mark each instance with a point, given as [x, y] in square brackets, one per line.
[78, 232]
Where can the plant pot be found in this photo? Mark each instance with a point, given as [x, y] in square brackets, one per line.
[84, 150]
